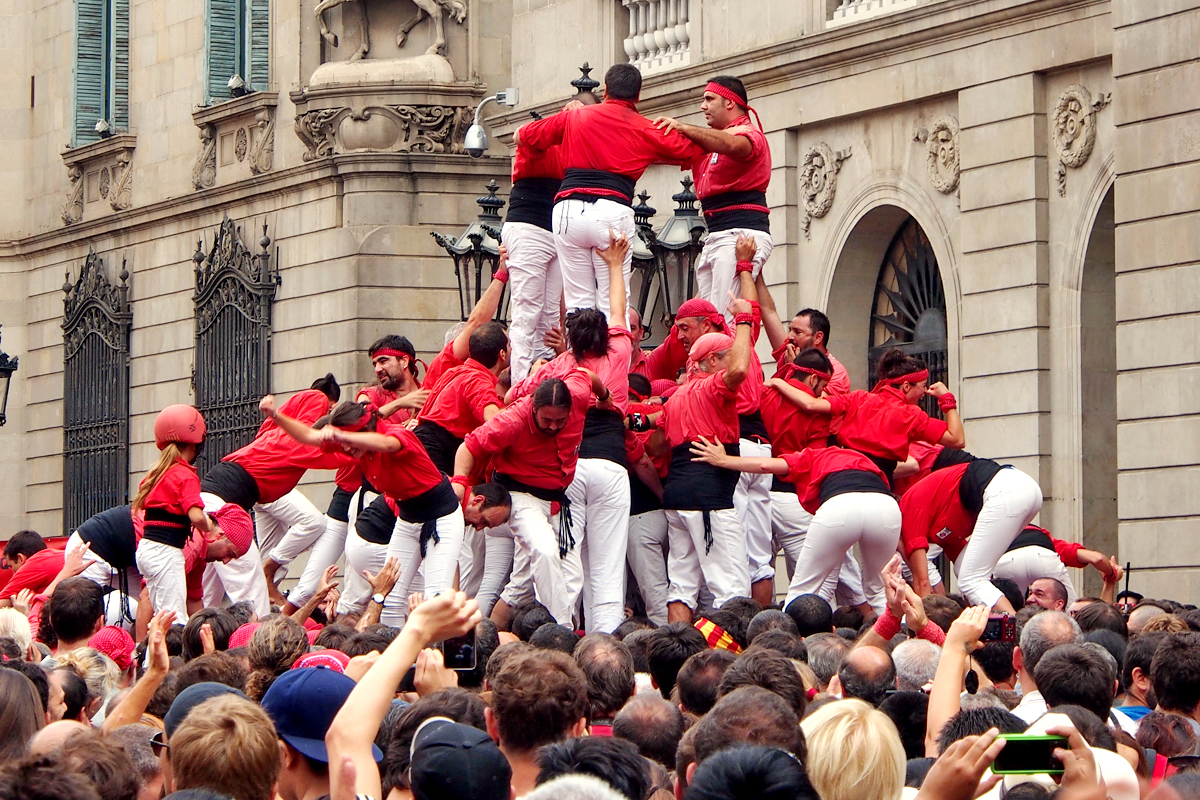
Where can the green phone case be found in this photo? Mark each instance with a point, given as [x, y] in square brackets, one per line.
[1030, 737]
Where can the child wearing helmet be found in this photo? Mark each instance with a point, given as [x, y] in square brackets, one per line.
[169, 496]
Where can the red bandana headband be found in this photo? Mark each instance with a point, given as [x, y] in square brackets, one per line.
[387, 351]
[354, 427]
[731, 96]
[912, 377]
[825, 376]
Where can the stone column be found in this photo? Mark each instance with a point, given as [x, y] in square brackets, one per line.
[1157, 112]
[1004, 273]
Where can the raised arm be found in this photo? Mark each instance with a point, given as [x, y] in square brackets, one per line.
[772, 324]
[714, 453]
[292, 427]
[739, 354]
[130, 710]
[614, 257]
[961, 640]
[367, 440]
[485, 309]
[954, 436]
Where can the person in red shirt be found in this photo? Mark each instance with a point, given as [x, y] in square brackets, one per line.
[706, 535]
[851, 504]
[430, 523]
[536, 280]
[34, 565]
[883, 422]
[605, 150]
[533, 445]
[458, 338]
[646, 550]
[170, 496]
[732, 174]
[974, 511]
[394, 360]
[1035, 554]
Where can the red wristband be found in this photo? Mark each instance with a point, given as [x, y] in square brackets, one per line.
[744, 318]
[745, 266]
[947, 402]
[462, 480]
[932, 632]
[501, 275]
[887, 625]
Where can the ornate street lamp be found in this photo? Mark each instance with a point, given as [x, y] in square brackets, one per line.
[476, 252]
[676, 248]
[644, 263]
[7, 367]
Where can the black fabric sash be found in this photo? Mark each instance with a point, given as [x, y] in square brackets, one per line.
[111, 535]
[376, 522]
[849, 481]
[232, 483]
[576, 179]
[752, 427]
[440, 444]
[604, 437]
[166, 528]
[1031, 537]
[641, 499]
[339, 505]
[778, 484]
[975, 482]
[949, 457]
[719, 215]
[696, 486]
[532, 202]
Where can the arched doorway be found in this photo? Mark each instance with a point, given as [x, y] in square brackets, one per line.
[909, 307]
[1098, 376]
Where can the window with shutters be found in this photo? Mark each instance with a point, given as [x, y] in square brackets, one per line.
[101, 67]
[238, 42]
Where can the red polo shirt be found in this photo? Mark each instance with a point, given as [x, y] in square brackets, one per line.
[38, 571]
[277, 462]
[612, 368]
[611, 137]
[349, 477]
[458, 401]
[401, 475]
[792, 429]
[933, 514]
[442, 362]
[307, 406]
[177, 491]
[530, 163]
[666, 360]
[882, 424]
[521, 451]
[703, 406]
[808, 468]
[717, 174]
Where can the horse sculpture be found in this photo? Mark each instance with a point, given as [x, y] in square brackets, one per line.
[433, 9]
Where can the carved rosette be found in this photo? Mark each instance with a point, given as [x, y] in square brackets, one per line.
[1075, 129]
[262, 152]
[941, 147]
[818, 181]
[204, 174]
[72, 210]
[399, 128]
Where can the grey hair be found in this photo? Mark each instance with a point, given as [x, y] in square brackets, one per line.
[1045, 631]
[705, 365]
[453, 332]
[575, 787]
[916, 663]
[825, 654]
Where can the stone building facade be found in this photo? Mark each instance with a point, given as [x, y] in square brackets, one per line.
[1004, 185]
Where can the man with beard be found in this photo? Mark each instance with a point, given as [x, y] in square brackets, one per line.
[394, 360]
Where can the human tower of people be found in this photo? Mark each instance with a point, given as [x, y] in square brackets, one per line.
[541, 460]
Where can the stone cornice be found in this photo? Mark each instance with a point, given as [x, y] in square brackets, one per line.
[105, 147]
[835, 48]
[238, 107]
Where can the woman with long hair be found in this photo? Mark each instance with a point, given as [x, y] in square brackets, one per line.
[21, 714]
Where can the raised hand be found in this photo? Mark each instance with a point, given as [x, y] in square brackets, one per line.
[267, 406]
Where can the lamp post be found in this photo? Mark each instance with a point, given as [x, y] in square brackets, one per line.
[676, 248]
[644, 262]
[7, 367]
[477, 248]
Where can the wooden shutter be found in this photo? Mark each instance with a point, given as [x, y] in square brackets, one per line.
[119, 55]
[224, 41]
[259, 67]
[91, 62]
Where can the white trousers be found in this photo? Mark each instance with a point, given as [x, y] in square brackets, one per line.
[1025, 565]
[724, 567]
[935, 575]
[1010, 502]
[599, 496]
[241, 579]
[580, 229]
[535, 285]
[485, 563]
[536, 563]
[647, 556]
[752, 500]
[439, 562]
[789, 524]
[325, 552]
[869, 519]
[163, 567]
[716, 269]
[287, 527]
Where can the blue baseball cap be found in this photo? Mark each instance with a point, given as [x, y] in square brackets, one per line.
[303, 702]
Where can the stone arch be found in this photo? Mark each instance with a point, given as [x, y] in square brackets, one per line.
[875, 211]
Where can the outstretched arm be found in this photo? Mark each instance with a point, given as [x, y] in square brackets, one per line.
[802, 400]
[711, 139]
[614, 257]
[714, 453]
[292, 427]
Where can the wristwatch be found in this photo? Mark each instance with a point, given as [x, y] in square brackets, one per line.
[377, 598]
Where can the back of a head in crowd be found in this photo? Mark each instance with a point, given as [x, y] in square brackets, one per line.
[76, 609]
[538, 698]
[622, 81]
[1175, 672]
[274, 647]
[23, 544]
[328, 386]
[487, 342]
[751, 773]
[699, 679]
[867, 673]
[1101, 616]
[614, 761]
[228, 744]
[586, 330]
[452, 703]
[553, 636]
[749, 715]
[1044, 631]
[916, 663]
[908, 711]
[452, 761]
[788, 644]
[103, 762]
[770, 619]
[668, 648]
[219, 620]
[941, 611]
[811, 613]
[770, 670]
[528, 617]
[653, 724]
[608, 666]
[854, 751]
[977, 721]
[21, 714]
[825, 654]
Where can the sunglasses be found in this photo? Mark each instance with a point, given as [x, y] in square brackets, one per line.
[157, 745]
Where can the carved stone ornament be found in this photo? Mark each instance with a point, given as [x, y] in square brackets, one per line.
[435, 10]
[941, 146]
[262, 152]
[204, 174]
[99, 172]
[242, 144]
[818, 181]
[401, 128]
[1075, 129]
[120, 196]
[94, 305]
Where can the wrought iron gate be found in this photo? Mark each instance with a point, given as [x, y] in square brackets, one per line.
[234, 290]
[909, 309]
[96, 324]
